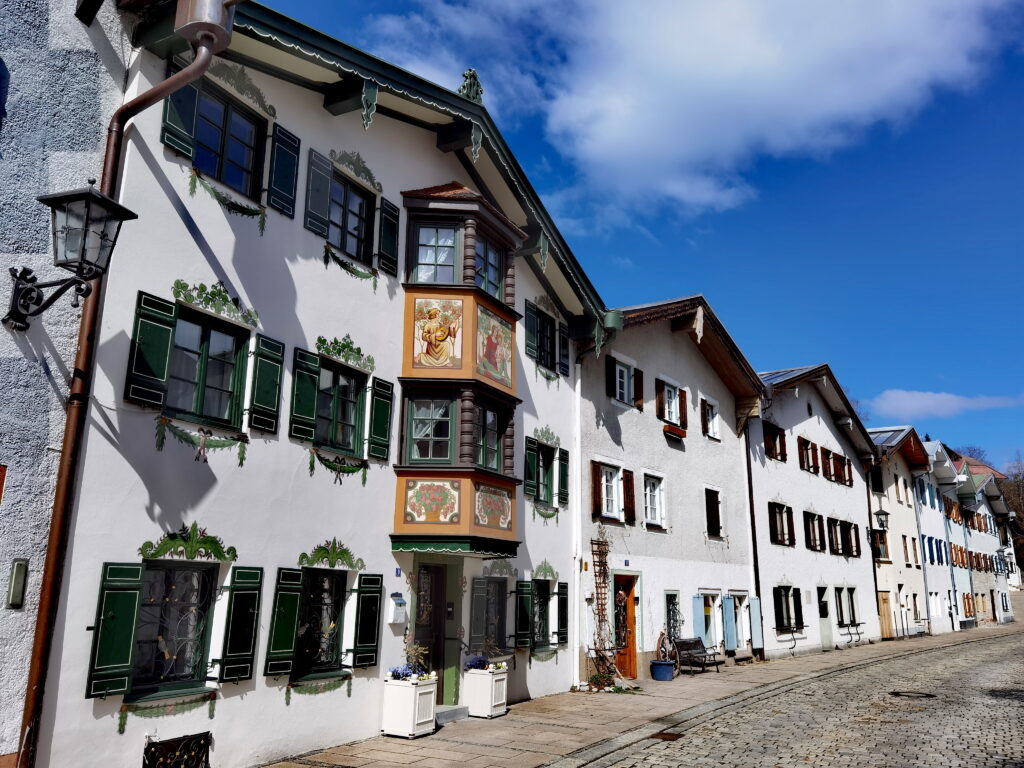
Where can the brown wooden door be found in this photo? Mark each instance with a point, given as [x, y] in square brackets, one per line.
[625, 625]
[430, 615]
[885, 616]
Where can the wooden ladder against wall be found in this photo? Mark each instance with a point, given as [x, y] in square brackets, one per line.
[603, 650]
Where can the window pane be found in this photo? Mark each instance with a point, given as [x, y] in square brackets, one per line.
[445, 275]
[211, 109]
[209, 135]
[181, 395]
[334, 235]
[446, 237]
[205, 161]
[221, 345]
[236, 178]
[219, 373]
[239, 154]
[445, 255]
[242, 128]
[217, 404]
[427, 255]
[425, 274]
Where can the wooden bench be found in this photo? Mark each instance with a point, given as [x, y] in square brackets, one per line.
[691, 650]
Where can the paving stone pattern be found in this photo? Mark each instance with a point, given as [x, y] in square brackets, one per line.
[973, 717]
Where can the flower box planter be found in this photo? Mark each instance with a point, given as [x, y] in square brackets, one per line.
[672, 432]
[485, 692]
[409, 707]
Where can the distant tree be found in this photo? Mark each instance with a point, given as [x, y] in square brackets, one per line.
[1013, 486]
[860, 409]
[973, 451]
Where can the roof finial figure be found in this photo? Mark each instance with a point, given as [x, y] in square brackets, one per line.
[471, 87]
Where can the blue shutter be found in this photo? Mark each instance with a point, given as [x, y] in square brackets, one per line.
[698, 618]
[729, 622]
[756, 631]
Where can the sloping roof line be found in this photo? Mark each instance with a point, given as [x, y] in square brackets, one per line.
[455, 190]
[300, 40]
[902, 438]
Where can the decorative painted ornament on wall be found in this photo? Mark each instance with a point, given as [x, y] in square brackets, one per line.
[227, 202]
[345, 351]
[494, 354]
[437, 324]
[500, 568]
[192, 543]
[492, 507]
[243, 85]
[215, 298]
[545, 571]
[338, 466]
[202, 440]
[331, 255]
[431, 501]
[355, 163]
[332, 554]
[547, 436]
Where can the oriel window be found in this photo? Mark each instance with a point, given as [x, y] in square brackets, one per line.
[430, 430]
[434, 260]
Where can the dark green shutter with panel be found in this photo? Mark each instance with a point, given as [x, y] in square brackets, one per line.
[563, 613]
[531, 331]
[798, 608]
[238, 657]
[530, 475]
[387, 249]
[369, 599]
[478, 616]
[180, 108]
[318, 193]
[524, 614]
[149, 358]
[266, 385]
[113, 639]
[305, 385]
[563, 476]
[284, 622]
[563, 349]
[382, 397]
[284, 171]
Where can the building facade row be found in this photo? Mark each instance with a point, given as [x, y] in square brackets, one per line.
[354, 396]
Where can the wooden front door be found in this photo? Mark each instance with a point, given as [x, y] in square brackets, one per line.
[430, 616]
[625, 625]
[885, 616]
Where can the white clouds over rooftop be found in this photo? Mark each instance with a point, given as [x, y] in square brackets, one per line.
[909, 405]
[671, 100]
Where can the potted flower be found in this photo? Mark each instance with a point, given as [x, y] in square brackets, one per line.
[485, 687]
[409, 695]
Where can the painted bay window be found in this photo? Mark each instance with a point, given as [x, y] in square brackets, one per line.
[434, 256]
[713, 512]
[490, 268]
[814, 531]
[339, 409]
[654, 504]
[780, 524]
[430, 430]
[774, 441]
[789, 613]
[488, 429]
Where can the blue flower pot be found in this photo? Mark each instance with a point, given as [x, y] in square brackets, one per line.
[662, 670]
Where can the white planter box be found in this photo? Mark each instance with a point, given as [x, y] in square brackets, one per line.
[408, 707]
[485, 692]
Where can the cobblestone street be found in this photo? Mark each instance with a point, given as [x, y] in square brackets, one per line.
[960, 707]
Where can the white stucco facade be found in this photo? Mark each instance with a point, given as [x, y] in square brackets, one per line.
[820, 565]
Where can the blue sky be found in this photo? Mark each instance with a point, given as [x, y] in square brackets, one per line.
[844, 185]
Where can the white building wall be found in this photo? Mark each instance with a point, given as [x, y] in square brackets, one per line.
[802, 412]
[934, 548]
[272, 509]
[681, 558]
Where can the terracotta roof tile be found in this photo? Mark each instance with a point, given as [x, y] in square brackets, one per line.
[453, 190]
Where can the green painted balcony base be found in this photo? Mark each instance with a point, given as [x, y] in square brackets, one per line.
[470, 546]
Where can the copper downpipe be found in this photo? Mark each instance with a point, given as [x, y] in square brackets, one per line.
[77, 410]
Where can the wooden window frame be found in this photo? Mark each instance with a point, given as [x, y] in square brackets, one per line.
[774, 441]
[658, 521]
[364, 248]
[719, 527]
[359, 409]
[410, 436]
[231, 105]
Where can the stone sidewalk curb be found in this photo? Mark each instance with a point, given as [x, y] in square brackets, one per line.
[603, 753]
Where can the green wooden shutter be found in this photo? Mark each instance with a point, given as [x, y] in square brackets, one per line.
[149, 358]
[609, 376]
[305, 384]
[284, 171]
[530, 475]
[265, 409]
[563, 349]
[798, 608]
[387, 247]
[284, 622]
[478, 616]
[524, 614]
[563, 476]
[178, 130]
[238, 657]
[113, 639]
[563, 613]
[381, 401]
[531, 330]
[318, 193]
[369, 599]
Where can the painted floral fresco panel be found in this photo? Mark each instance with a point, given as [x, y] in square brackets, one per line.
[493, 507]
[432, 501]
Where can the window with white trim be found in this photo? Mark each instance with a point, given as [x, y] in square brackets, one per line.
[654, 508]
[611, 501]
[623, 383]
[671, 403]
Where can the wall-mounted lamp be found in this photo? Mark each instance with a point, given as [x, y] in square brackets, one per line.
[883, 520]
[84, 225]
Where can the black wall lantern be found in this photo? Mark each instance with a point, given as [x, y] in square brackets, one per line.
[84, 225]
[883, 520]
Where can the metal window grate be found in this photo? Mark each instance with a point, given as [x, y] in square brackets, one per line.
[183, 752]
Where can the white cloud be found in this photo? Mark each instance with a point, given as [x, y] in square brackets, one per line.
[670, 101]
[909, 405]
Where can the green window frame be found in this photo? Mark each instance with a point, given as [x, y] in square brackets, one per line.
[340, 398]
[489, 268]
[207, 369]
[318, 640]
[430, 430]
[541, 614]
[350, 219]
[488, 430]
[172, 628]
[435, 257]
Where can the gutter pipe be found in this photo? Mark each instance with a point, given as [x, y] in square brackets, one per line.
[77, 410]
